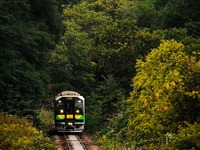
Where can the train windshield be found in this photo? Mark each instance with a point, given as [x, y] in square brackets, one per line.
[78, 106]
[69, 106]
[60, 107]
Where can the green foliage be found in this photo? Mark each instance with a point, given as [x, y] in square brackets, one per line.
[111, 36]
[47, 10]
[113, 134]
[84, 47]
[69, 63]
[165, 14]
[107, 143]
[187, 138]
[46, 119]
[104, 103]
[106, 37]
[18, 133]
[24, 46]
[97, 57]
[164, 94]
[116, 9]
[144, 12]
[63, 4]
[176, 13]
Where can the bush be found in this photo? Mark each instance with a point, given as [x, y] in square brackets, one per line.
[46, 119]
[187, 137]
[18, 133]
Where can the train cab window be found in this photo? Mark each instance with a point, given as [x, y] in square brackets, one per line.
[78, 106]
[60, 107]
[59, 103]
[69, 106]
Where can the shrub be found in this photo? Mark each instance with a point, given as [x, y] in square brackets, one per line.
[18, 133]
[187, 137]
[46, 119]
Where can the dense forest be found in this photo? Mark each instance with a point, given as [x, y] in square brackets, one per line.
[137, 62]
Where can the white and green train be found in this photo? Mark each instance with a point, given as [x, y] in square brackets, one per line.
[69, 110]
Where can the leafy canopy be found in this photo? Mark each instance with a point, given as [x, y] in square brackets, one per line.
[164, 93]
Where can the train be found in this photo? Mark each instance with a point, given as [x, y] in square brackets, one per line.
[69, 112]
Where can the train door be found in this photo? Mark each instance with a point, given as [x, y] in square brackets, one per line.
[74, 111]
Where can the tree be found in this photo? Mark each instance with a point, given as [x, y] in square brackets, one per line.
[165, 14]
[164, 94]
[70, 66]
[103, 105]
[24, 50]
[47, 12]
[177, 13]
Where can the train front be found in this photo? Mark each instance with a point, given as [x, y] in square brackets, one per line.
[69, 112]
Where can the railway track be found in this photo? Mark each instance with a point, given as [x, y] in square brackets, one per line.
[74, 142]
[69, 142]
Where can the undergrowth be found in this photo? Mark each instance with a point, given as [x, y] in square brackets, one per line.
[19, 133]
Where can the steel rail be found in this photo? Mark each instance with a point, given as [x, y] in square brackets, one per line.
[82, 142]
[69, 147]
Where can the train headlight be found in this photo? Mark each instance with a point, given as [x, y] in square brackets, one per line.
[61, 111]
[77, 111]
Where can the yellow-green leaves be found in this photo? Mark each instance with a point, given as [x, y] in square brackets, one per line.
[19, 134]
[163, 93]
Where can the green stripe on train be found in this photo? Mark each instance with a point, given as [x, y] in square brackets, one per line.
[59, 118]
[80, 118]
